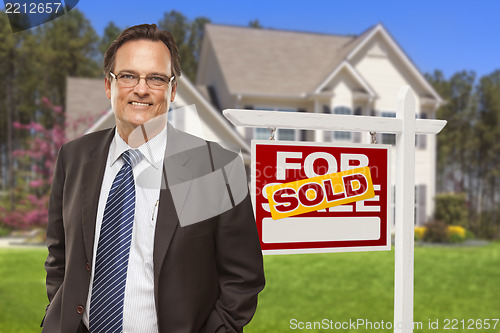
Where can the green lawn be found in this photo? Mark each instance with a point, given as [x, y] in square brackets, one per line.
[450, 282]
[22, 290]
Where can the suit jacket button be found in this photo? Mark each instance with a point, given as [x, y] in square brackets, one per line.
[80, 309]
[87, 266]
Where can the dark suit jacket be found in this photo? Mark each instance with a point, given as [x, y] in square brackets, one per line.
[207, 275]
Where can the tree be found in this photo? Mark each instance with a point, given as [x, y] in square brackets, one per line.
[188, 37]
[177, 24]
[69, 45]
[36, 63]
[255, 24]
[110, 33]
[469, 146]
[488, 152]
[7, 43]
[195, 41]
[19, 74]
[455, 142]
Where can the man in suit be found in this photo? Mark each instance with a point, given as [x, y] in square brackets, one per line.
[191, 259]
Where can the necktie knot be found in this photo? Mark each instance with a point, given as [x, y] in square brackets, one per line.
[132, 157]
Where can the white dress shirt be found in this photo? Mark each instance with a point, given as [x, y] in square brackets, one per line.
[139, 312]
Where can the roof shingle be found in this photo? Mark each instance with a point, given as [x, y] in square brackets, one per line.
[264, 61]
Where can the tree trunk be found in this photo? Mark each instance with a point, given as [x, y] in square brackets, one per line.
[10, 116]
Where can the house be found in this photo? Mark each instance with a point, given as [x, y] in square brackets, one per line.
[289, 71]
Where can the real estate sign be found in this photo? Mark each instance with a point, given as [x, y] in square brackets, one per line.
[316, 197]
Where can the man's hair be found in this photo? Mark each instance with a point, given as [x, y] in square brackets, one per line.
[144, 32]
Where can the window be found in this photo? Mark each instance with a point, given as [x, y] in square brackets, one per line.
[262, 133]
[420, 204]
[421, 139]
[387, 138]
[337, 135]
[340, 135]
[327, 135]
[173, 118]
[287, 134]
[342, 110]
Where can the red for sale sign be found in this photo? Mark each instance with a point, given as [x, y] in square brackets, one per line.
[315, 197]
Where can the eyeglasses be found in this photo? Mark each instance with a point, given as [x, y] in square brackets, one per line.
[154, 81]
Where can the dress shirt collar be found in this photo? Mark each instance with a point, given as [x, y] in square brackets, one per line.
[153, 150]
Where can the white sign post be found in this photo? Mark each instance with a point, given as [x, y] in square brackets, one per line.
[405, 126]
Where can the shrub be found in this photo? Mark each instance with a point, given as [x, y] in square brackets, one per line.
[488, 225]
[439, 232]
[436, 232]
[4, 231]
[451, 208]
[419, 233]
[456, 234]
[469, 235]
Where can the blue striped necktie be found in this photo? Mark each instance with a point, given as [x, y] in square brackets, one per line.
[110, 274]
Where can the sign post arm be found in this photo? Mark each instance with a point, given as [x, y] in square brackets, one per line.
[404, 196]
[327, 122]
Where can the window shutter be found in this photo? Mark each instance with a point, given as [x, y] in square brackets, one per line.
[357, 137]
[421, 204]
[327, 136]
[422, 141]
[249, 131]
[302, 133]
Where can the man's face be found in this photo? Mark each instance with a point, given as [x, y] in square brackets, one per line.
[136, 105]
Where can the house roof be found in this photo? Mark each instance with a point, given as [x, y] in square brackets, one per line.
[276, 61]
[86, 102]
[288, 63]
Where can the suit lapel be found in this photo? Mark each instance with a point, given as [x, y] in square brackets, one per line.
[91, 182]
[166, 224]
[175, 171]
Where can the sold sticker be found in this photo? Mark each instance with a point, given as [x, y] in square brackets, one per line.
[312, 194]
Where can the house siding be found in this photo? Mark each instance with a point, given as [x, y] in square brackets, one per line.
[384, 72]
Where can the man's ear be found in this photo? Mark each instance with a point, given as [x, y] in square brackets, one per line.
[173, 92]
[107, 87]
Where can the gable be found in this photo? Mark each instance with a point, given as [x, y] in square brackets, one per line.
[386, 68]
[350, 77]
[210, 78]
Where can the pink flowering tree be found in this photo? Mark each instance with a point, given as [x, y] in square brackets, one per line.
[36, 166]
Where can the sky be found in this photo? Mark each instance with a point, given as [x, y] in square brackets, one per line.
[447, 35]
